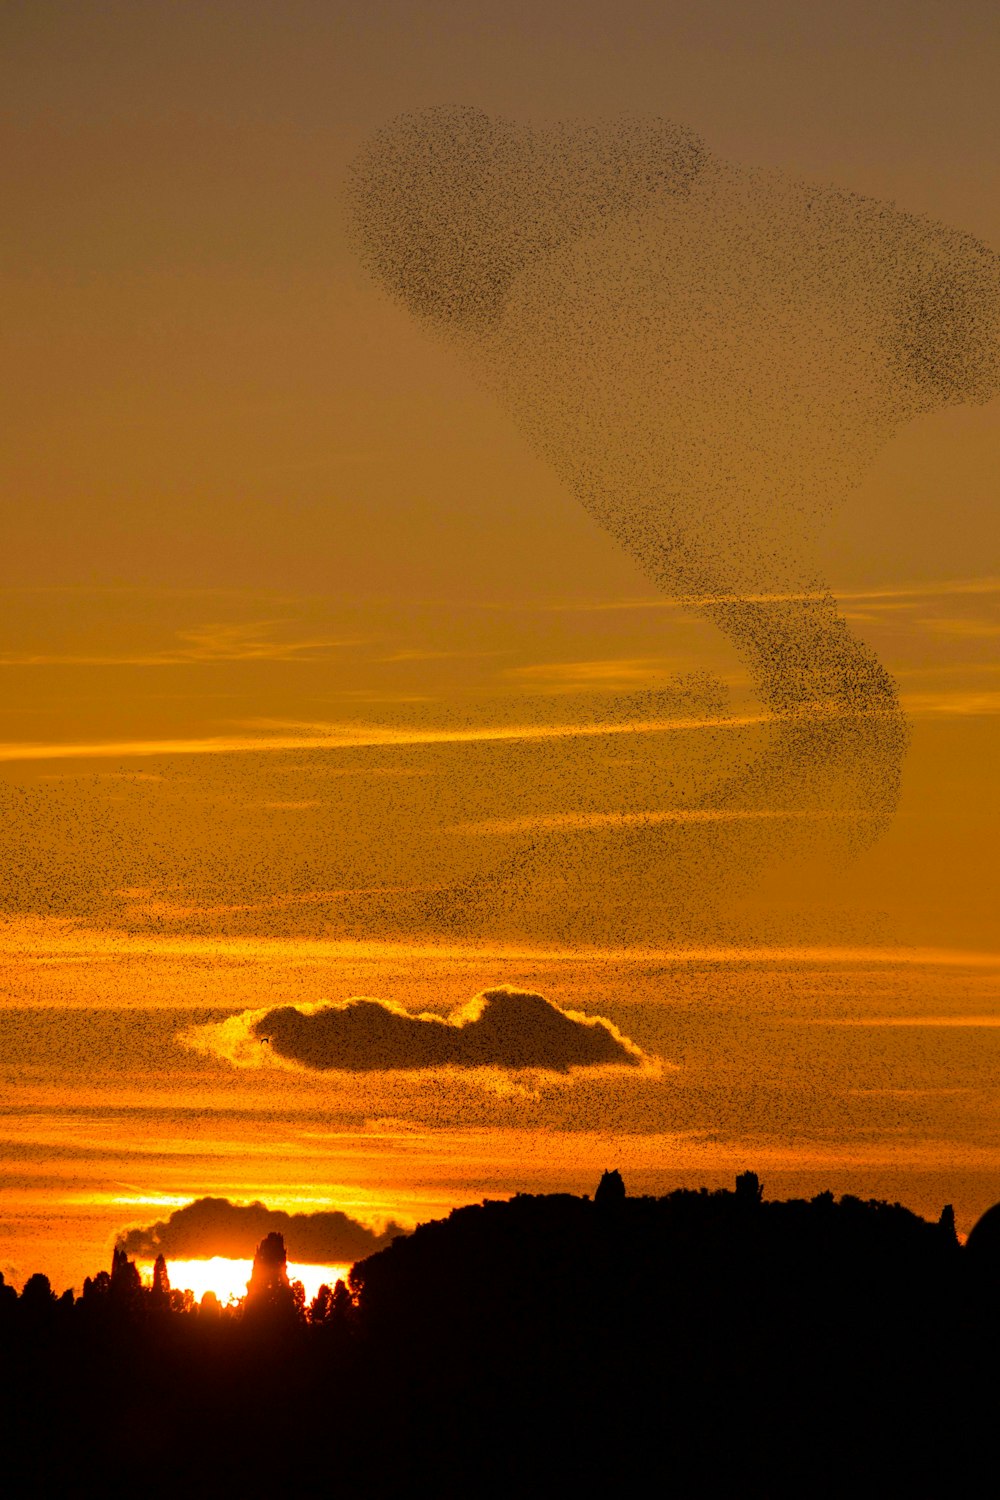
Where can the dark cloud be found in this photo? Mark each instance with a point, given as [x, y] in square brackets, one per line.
[501, 1028]
[214, 1226]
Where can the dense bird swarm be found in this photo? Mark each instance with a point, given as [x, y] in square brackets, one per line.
[710, 357]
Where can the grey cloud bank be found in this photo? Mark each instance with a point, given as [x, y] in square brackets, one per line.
[501, 1028]
[215, 1226]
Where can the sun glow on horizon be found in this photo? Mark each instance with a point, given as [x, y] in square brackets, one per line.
[228, 1278]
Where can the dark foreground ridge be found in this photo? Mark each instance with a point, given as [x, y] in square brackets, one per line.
[702, 1343]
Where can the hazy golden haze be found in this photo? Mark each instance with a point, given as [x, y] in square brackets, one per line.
[293, 622]
[110, 1121]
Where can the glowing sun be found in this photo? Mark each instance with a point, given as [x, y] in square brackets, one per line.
[228, 1278]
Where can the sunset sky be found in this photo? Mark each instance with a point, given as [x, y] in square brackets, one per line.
[319, 681]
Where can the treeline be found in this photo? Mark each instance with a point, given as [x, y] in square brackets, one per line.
[119, 1299]
[552, 1344]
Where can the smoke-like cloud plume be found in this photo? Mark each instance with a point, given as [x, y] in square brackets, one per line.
[502, 1029]
[215, 1226]
[710, 357]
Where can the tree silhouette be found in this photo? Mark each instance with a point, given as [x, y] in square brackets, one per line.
[8, 1296]
[610, 1189]
[946, 1224]
[269, 1294]
[159, 1295]
[321, 1306]
[748, 1189]
[666, 1320]
[37, 1297]
[209, 1306]
[126, 1283]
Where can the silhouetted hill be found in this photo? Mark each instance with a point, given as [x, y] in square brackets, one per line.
[708, 1342]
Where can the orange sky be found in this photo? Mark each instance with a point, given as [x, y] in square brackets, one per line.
[299, 633]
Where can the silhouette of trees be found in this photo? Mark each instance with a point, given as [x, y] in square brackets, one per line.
[37, 1296]
[610, 1189]
[342, 1305]
[946, 1224]
[321, 1306]
[850, 1329]
[8, 1297]
[160, 1292]
[126, 1283]
[748, 1189]
[270, 1297]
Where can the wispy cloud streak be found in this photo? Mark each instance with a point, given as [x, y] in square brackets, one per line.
[588, 820]
[203, 645]
[40, 940]
[348, 737]
[933, 589]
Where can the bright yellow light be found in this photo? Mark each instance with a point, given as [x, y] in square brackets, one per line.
[228, 1278]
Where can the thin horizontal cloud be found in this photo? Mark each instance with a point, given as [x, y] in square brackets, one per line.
[351, 737]
[957, 703]
[955, 626]
[951, 669]
[420, 655]
[960, 1021]
[506, 1029]
[46, 939]
[596, 820]
[292, 806]
[150, 591]
[600, 673]
[130, 776]
[366, 773]
[206, 644]
[929, 589]
[147, 905]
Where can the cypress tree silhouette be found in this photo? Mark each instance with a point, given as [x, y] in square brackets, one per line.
[749, 1189]
[946, 1224]
[610, 1190]
[319, 1307]
[269, 1293]
[37, 1296]
[160, 1294]
[126, 1283]
[527, 1320]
